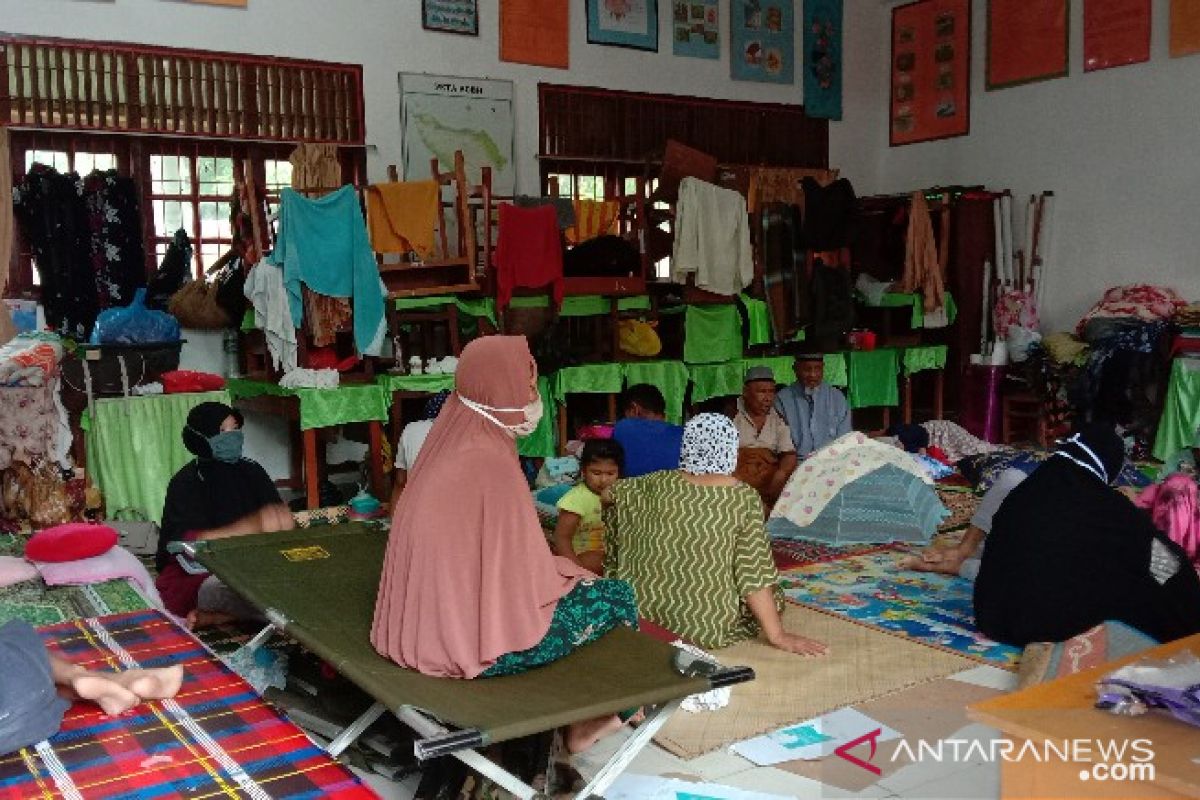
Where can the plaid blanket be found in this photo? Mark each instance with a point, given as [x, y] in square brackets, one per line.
[216, 739]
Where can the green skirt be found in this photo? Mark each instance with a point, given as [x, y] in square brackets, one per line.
[587, 612]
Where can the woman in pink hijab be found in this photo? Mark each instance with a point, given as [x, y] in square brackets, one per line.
[469, 586]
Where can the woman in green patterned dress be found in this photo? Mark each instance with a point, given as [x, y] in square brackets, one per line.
[692, 544]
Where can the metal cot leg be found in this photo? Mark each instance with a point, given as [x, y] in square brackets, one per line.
[628, 751]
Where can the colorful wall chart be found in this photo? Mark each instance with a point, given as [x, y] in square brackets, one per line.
[1026, 41]
[822, 59]
[762, 41]
[931, 71]
[535, 32]
[695, 28]
[1115, 33]
[1185, 28]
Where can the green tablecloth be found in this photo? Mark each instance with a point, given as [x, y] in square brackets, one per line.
[587, 379]
[923, 357]
[712, 334]
[583, 305]
[322, 408]
[902, 299]
[758, 318]
[722, 380]
[1181, 412]
[873, 377]
[134, 447]
[671, 377]
[414, 383]
[484, 307]
[542, 442]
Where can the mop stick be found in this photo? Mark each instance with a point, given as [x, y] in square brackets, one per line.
[1030, 225]
[987, 305]
[1006, 220]
[998, 230]
[1048, 204]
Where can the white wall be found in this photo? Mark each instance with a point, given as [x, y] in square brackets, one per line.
[1119, 147]
[386, 37]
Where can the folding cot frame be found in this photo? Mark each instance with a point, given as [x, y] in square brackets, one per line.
[318, 586]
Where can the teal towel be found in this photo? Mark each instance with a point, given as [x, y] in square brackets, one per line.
[323, 243]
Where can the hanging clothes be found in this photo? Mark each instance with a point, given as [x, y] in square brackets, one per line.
[564, 207]
[827, 213]
[53, 220]
[593, 218]
[7, 329]
[783, 185]
[712, 238]
[1174, 506]
[402, 217]
[922, 271]
[528, 252]
[115, 248]
[315, 168]
[323, 244]
[272, 314]
[784, 270]
[832, 309]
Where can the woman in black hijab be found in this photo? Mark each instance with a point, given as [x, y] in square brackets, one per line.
[219, 494]
[1068, 552]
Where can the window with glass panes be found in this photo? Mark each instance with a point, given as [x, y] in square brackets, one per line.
[192, 193]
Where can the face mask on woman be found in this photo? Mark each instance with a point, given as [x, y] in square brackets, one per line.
[227, 446]
[532, 412]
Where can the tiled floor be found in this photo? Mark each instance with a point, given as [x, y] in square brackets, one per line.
[972, 780]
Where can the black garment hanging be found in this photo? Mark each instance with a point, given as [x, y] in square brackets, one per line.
[827, 214]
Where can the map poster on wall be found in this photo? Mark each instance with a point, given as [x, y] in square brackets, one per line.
[1185, 28]
[695, 28]
[440, 114]
[931, 71]
[1026, 41]
[762, 40]
[1115, 33]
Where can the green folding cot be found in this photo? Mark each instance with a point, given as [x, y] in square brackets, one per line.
[318, 586]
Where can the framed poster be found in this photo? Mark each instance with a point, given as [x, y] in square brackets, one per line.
[450, 16]
[762, 41]
[1116, 33]
[823, 59]
[535, 32]
[623, 23]
[1185, 28]
[931, 71]
[234, 3]
[1027, 40]
[440, 114]
[695, 28]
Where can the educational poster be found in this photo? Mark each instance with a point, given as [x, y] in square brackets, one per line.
[695, 28]
[931, 71]
[762, 41]
[1026, 41]
[450, 16]
[1115, 33]
[623, 23]
[535, 32]
[822, 59]
[441, 114]
[1185, 28]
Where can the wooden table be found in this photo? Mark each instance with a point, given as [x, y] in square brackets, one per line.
[1063, 710]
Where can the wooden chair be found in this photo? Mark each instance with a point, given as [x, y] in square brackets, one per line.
[1022, 411]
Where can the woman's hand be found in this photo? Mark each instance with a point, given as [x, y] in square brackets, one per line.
[800, 645]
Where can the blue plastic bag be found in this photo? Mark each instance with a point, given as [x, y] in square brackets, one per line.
[135, 324]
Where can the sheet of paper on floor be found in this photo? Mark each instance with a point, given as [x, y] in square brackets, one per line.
[814, 738]
[653, 787]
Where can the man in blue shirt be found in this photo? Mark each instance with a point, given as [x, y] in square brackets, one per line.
[816, 412]
[651, 443]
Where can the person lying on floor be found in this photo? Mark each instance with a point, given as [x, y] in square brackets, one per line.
[692, 544]
[412, 438]
[579, 532]
[766, 455]
[468, 587]
[963, 559]
[216, 495]
[37, 685]
[816, 413]
[650, 442]
[1067, 552]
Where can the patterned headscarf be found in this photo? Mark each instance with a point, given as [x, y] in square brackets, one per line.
[710, 446]
[433, 406]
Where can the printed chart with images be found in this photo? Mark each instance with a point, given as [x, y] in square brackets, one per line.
[931, 71]
[762, 41]
[696, 29]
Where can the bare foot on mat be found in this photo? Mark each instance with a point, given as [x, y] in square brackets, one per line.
[113, 698]
[152, 684]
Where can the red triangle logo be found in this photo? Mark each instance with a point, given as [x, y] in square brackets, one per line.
[872, 737]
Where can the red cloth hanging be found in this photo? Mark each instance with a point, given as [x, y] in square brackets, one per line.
[529, 252]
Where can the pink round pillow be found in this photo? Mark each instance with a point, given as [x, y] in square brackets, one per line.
[70, 542]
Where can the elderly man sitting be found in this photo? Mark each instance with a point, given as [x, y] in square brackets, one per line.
[766, 454]
[816, 413]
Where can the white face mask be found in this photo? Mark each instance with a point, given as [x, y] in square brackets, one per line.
[533, 415]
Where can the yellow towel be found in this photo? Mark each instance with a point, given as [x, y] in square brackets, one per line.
[402, 217]
[593, 218]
